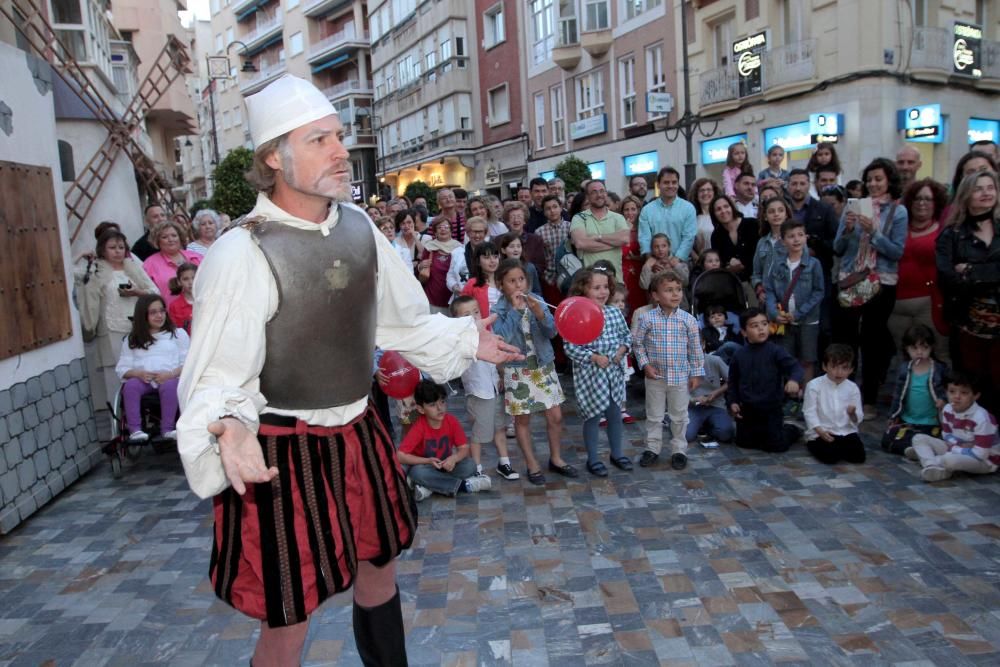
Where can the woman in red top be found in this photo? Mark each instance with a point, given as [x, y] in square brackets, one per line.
[434, 264]
[918, 299]
[631, 257]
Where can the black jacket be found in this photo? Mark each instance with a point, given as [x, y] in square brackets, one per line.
[143, 248]
[958, 245]
[758, 373]
[821, 229]
[711, 335]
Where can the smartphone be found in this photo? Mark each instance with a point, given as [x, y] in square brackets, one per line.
[124, 285]
[853, 205]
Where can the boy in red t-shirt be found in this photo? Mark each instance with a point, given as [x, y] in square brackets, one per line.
[436, 449]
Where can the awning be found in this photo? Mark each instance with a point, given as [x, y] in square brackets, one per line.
[263, 45]
[333, 62]
[247, 13]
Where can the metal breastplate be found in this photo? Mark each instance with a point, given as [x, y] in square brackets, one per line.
[321, 341]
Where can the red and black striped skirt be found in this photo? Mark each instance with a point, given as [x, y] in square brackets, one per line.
[340, 496]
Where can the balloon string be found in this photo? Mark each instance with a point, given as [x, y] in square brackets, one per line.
[540, 300]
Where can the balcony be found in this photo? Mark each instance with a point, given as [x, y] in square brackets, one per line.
[243, 8]
[719, 90]
[789, 69]
[267, 32]
[931, 54]
[328, 46]
[567, 51]
[349, 87]
[318, 8]
[436, 84]
[430, 145]
[258, 80]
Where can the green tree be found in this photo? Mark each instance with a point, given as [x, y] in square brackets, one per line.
[572, 171]
[232, 194]
[420, 189]
[199, 205]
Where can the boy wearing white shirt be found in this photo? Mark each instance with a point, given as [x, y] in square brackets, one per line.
[831, 410]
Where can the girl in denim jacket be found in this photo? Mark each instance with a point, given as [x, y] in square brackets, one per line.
[530, 385]
[920, 393]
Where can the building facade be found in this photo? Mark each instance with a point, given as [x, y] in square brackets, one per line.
[325, 41]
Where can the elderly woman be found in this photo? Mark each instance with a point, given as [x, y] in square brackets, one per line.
[968, 263]
[917, 292]
[106, 296]
[867, 246]
[169, 240]
[432, 270]
[206, 226]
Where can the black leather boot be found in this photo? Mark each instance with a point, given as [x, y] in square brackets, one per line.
[379, 634]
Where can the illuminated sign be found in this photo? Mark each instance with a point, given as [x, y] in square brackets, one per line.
[547, 175]
[790, 137]
[597, 170]
[921, 124]
[714, 151]
[966, 49]
[589, 126]
[748, 55]
[983, 129]
[825, 127]
[643, 163]
[357, 192]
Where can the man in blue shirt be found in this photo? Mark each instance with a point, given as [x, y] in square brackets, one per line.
[669, 215]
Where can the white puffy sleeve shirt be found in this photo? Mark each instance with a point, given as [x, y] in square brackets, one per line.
[235, 296]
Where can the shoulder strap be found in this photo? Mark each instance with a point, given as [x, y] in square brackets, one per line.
[791, 284]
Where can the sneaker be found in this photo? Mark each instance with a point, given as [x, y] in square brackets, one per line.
[421, 493]
[911, 454]
[666, 420]
[627, 418]
[648, 458]
[477, 484]
[678, 461]
[170, 435]
[934, 474]
[507, 472]
[603, 422]
[138, 436]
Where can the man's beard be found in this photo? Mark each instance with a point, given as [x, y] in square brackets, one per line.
[337, 192]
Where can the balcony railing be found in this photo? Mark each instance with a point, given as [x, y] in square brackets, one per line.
[718, 85]
[265, 26]
[238, 6]
[347, 87]
[317, 7]
[327, 44]
[568, 33]
[791, 63]
[931, 49]
[258, 79]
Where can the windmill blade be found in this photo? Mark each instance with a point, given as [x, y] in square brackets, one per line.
[172, 62]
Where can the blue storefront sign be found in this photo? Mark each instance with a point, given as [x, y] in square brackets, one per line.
[547, 175]
[642, 163]
[826, 127]
[714, 151]
[984, 129]
[597, 170]
[921, 123]
[790, 137]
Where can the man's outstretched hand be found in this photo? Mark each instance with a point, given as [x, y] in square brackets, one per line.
[242, 458]
[493, 348]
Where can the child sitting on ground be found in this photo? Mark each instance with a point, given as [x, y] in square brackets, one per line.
[483, 402]
[968, 440]
[760, 375]
[832, 410]
[920, 392]
[707, 413]
[436, 450]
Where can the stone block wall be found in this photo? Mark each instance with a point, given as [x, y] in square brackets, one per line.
[49, 439]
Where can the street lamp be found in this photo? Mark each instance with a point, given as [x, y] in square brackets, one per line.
[688, 123]
[218, 68]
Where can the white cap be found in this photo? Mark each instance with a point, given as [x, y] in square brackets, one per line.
[286, 104]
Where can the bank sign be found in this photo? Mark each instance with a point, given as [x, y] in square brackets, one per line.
[922, 123]
[748, 54]
[966, 49]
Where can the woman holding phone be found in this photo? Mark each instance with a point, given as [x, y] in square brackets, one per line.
[106, 297]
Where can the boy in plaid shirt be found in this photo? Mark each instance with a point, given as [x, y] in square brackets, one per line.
[667, 347]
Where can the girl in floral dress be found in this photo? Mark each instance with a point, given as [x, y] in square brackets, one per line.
[599, 373]
[530, 385]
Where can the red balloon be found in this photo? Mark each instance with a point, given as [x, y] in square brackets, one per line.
[402, 376]
[579, 320]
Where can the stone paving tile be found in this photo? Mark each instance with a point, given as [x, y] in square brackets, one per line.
[742, 559]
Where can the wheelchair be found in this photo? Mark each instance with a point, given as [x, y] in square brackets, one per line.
[119, 449]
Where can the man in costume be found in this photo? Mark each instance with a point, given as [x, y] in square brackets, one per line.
[276, 424]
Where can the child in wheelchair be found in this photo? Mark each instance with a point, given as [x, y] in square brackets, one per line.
[151, 361]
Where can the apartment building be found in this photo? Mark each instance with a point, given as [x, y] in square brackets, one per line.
[326, 41]
[869, 76]
[426, 92]
[195, 156]
[601, 85]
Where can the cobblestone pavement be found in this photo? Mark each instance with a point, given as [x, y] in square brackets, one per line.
[743, 558]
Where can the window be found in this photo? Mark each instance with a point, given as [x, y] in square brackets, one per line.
[793, 21]
[558, 116]
[460, 46]
[445, 50]
[722, 34]
[295, 44]
[238, 115]
[229, 36]
[67, 11]
[499, 107]
[919, 9]
[493, 28]
[626, 74]
[635, 7]
[656, 77]
[539, 120]
[291, 4]
[66, 168]
[431, 60]
[595, 15]
[226, 123]
[568, 33]
[983, 12]
[213, 8]
[218, 43]
[542, 34]
[589, 95]
[357, 170]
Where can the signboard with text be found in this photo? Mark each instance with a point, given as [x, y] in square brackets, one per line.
[588, 127]
[825, 127]
[748, 54]
[598, 170]
[922, 124]
[790, 137]
[714, 151]
[642, 163]
[966, 49]
[984, 129]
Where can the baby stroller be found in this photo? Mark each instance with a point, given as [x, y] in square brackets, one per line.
[119, 448]
[718, 287]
